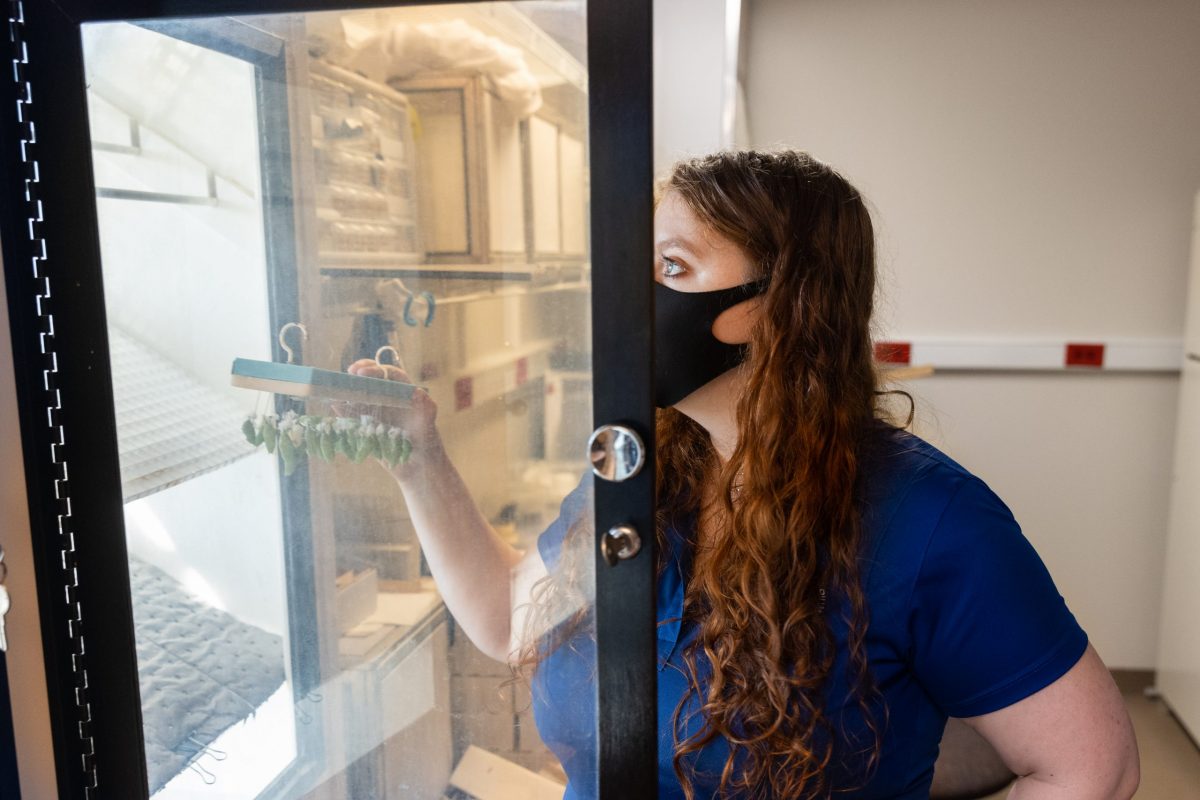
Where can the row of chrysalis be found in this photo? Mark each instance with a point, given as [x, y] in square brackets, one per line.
[296, 435]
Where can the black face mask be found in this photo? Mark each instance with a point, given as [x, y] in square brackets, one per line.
[686, 354]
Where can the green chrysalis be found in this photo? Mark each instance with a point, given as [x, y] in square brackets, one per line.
[362, 448]
[287, 451]
[389, 449]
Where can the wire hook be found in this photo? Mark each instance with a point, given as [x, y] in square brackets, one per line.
[291, 355]
[387, 348]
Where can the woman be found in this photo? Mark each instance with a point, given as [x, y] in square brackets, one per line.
[830, 588]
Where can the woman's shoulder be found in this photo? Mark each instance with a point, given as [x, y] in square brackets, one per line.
[955, 586]
[895, 462]
[900, 453]
[912, 490]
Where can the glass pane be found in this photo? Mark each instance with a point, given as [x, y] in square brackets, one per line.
[334, 573]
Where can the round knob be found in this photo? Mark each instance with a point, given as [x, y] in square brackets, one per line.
[616, 452]
[620, 543]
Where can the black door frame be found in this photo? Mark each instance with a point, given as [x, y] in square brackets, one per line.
[48, 231]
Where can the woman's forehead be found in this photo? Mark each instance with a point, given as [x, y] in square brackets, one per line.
[677, 226]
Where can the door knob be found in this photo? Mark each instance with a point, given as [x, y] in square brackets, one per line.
[616, 452]
[620, 543]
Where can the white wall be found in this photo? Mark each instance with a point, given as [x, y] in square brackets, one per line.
[692, 58]
[1031, 166]
[1084, 462]
[187, 281]
[217, 538]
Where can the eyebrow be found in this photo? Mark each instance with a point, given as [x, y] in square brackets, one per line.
[682, 244]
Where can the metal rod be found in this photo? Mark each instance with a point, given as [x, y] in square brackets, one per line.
[109, 147]
[156, 197]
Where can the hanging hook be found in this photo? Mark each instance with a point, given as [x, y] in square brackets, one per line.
[206, 776]
[207, 749]
[429, 302]
[387, 348]
[430, 307]
[408, 319]
[291, 355]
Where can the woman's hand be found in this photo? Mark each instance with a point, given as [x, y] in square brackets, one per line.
[418, 419]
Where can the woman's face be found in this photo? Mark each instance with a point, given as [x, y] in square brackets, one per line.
[689, 256]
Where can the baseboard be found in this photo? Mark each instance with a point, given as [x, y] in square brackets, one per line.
[1133, 681]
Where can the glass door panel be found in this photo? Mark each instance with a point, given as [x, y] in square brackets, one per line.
[330, 598]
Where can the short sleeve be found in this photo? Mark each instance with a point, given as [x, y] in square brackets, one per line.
[988, 625]
[550, 541]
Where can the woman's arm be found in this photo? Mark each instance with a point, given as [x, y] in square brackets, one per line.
[477, 572]
[1072, 740]
[473, 566]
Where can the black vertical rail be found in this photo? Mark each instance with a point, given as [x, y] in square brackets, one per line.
[279, 236]
[620, 94]
[64, 378]
[24, 284]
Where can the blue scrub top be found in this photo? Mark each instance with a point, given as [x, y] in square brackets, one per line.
[964, 620]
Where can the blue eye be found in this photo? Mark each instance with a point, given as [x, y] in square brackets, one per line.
[671, 268]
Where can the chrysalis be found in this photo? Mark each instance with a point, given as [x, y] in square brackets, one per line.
[287, 452]
[249, 432]
[390, 447]
[362, 447]
[312, 442]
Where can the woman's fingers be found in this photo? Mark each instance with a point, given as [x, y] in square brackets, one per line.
[370, 368]
[395, 374]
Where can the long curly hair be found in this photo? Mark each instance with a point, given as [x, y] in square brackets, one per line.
[788, 545]
[787, 506]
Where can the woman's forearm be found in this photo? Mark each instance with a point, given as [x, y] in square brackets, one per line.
[471, 563]
[1071, 740]
[1036, 787]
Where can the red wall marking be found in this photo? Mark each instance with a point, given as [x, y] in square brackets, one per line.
[893, 352]
[1084, 355]
[464, 393]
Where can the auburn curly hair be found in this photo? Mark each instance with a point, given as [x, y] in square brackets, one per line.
[787, 542]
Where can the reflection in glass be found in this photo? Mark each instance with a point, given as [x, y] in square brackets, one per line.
[409, 183]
